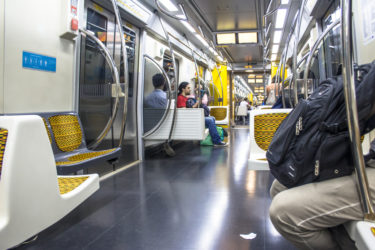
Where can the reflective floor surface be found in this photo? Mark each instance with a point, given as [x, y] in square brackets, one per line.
[202, 199]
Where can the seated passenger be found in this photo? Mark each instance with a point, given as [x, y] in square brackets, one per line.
[183, 93]
[311, 216]
[157, 98]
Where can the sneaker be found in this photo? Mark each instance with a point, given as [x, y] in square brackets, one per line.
[221, 144]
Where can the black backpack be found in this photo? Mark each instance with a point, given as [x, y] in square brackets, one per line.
[312, 143]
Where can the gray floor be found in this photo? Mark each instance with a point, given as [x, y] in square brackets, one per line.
[202, 199]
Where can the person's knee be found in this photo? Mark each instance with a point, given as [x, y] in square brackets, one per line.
[280, 212]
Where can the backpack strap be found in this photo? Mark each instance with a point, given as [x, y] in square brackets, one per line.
[333, 128]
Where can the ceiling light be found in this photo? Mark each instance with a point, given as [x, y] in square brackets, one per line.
[251, 80]
[251, 76]
[200, 38]
[275, 48]
[277, 36]
[284, 1]
[188, 26]
[280, 18]
[248, 37]
[169, 5]
[226, 38]
[273, 57]
[211, 49]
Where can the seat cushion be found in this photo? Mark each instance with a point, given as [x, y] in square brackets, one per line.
[3, 141]
[67, 132]
[67, 184]
[265, 127]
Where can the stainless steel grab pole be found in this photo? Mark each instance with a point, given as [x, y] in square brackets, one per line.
[126, 71]
[295, 51]
[351, 107]
[196, 71]
[175, 77]
[116, 78]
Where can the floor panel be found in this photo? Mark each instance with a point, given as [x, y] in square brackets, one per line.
[202, 199]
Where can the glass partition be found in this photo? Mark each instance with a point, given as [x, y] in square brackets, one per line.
[156, 94]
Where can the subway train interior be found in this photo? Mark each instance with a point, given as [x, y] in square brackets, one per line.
[149, 124]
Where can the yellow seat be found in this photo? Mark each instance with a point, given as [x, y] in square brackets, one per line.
[69, 145]
[263, 125]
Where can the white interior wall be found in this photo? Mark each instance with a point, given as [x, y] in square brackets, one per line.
[34, 26]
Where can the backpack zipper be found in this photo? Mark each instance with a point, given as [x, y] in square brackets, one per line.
[316, 172]
[299, 125]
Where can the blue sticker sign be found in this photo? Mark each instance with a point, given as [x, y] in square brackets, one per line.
[39, 62]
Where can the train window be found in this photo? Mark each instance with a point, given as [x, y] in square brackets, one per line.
[332, 44]
[97, 23]
[130, 41]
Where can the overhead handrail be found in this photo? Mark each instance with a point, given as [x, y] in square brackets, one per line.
[116, 78]
[296, 41]
[312, 51]
[157, 126]
[172, 16]
[126, 71]
[351, 108]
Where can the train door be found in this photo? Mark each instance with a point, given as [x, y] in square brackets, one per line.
[96, 88]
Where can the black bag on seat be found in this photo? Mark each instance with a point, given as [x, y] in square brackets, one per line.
[312, 143]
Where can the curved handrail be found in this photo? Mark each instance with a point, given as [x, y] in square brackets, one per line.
[176, 79]
[351, 107]
[157, 126]
[295, 50]
[116, 78]
[172, 16]
[312, 51]
[126, 72]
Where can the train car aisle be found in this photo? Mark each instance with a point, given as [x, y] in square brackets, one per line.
[203, 198]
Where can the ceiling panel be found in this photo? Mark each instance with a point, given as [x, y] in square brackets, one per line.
[228, 15]
[245, 53]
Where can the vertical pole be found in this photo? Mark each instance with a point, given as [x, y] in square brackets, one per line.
[351, 107]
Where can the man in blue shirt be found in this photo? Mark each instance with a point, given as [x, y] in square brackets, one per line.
[157, 98]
